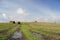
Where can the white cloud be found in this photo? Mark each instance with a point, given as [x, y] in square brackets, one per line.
[48, 14]
[20, 11]
[20, 15]
[4, 15]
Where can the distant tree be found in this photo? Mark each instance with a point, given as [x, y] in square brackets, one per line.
[13, 22]
[35, 21]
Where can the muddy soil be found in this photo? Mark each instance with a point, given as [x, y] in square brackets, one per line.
[18, 35]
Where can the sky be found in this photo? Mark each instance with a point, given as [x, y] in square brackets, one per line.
[30, 10]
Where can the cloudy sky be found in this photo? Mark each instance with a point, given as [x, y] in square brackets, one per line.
[30, 10]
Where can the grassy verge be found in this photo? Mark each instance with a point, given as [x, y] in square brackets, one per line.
[28, 34]
[7, 29]
[50, 30]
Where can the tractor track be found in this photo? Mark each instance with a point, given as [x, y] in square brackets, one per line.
[16, 34]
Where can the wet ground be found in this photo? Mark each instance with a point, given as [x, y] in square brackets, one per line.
[37, 35]
[18, 35]
[40, 36]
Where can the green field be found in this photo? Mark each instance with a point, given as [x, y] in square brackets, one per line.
[50, 31]
[7, 29]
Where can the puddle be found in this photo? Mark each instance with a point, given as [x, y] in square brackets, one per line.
[37, 34]
[17, 35]
[40, 36]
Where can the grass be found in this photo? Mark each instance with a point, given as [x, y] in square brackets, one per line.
[28, 34]
[50, 30]
[6, 29]
[47, 29]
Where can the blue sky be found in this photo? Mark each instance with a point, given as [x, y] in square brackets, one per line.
[30, 10]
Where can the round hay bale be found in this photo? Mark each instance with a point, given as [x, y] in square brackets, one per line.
[19, 22]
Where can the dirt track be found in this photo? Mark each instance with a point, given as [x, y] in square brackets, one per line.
[17, 34]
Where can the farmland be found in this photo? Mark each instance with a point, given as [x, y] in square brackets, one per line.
[6, 29]
[49, 31]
